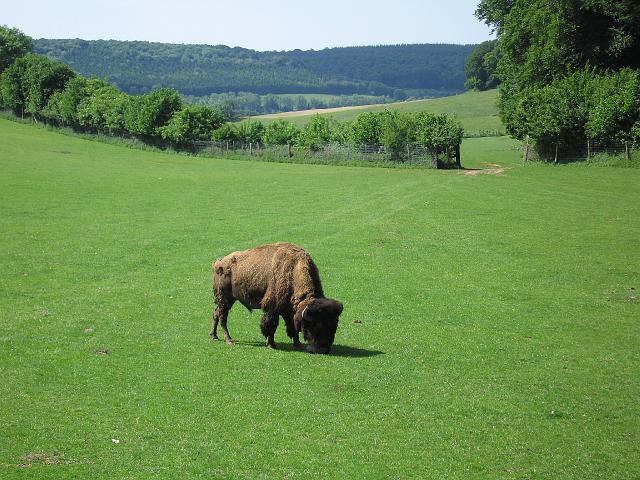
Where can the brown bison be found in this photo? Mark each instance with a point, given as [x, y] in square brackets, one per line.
[282, 280]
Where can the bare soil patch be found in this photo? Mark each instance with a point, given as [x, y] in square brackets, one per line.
[44, 458]
[493, 169]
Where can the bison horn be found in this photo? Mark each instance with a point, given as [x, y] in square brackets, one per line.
[303, 312]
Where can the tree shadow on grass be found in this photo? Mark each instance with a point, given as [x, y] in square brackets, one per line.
[336, 350]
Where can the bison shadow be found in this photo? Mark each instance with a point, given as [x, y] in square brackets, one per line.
[336, 350]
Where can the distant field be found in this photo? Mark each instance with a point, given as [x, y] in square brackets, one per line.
[490, 327]
[476, 110]
[320, 96]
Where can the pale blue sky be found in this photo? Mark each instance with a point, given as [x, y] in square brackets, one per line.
[260, 25]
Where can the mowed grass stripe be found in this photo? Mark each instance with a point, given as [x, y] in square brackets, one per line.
[497, 336]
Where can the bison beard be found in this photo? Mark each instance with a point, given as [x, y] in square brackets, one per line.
[282, 280]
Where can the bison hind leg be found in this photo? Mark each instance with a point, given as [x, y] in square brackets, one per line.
[268, 326]
[220, 315]
[214, 324]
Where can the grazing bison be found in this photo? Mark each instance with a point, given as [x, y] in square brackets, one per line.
[282, 280]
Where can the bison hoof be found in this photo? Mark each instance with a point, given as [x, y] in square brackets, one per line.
[228, 341]
[272, 346]
[214, 337]
[298, 346]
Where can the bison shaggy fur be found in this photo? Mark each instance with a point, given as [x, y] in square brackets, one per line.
[283, 281]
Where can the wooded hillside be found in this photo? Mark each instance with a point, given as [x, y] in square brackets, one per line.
[138, 67]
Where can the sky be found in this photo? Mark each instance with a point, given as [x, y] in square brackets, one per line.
[256, 24]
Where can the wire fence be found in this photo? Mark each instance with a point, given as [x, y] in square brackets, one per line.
[589, 151]
[410, 154]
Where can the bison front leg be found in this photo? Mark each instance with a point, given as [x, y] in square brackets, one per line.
[292, 332]
[268, 325]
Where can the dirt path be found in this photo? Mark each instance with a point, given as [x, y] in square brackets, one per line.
[494, 169]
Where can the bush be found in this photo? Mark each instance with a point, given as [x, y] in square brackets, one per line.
[250, 132]
[280, 132]
[191, 124]
[145, 115]
[226, 133]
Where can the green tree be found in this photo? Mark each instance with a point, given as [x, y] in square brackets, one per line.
[439, 132]
[12, 91]
[31, 80]
[146, 114]
[616, 114]
[226, 133]
[316, 133]
[250, 131]
[63, 105]
[481, 67]
[367, 128]
[541, 43]
[13, 44]
[192, 123]
[398, 130]
[102, 106]
[280, 132]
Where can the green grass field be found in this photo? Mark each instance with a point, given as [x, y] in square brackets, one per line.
[476, 110]
[490, 326]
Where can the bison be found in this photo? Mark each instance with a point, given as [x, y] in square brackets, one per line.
[282, 280]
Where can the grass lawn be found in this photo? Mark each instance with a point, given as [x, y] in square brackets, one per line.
[477, 111]
[490, 327]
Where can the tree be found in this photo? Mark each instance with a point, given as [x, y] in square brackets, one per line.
[102, 106]
[42, 78]
[192, 123]
[494, 12]
[542, 43]
[226, 133]
[251, 131]
[481, 65]
[31, 80]
[280, 132]
[439, 132]
[398, 130]
[146, 114]
[11, 86]
[63, 105]
[316, 133]
[13, 44]
[616, 114]
[367, 128]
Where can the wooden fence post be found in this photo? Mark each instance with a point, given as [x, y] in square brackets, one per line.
[555, 160]
[458, 165]
[588, 148]
[627, 154]
[526, 149]
[250, 148]
[434, 162]
[289, 150]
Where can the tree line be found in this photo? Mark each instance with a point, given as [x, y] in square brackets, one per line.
[569, 71]
[399, 71]
[51, 91]
[391, 129]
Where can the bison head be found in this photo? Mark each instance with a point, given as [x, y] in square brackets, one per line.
[319, 322]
